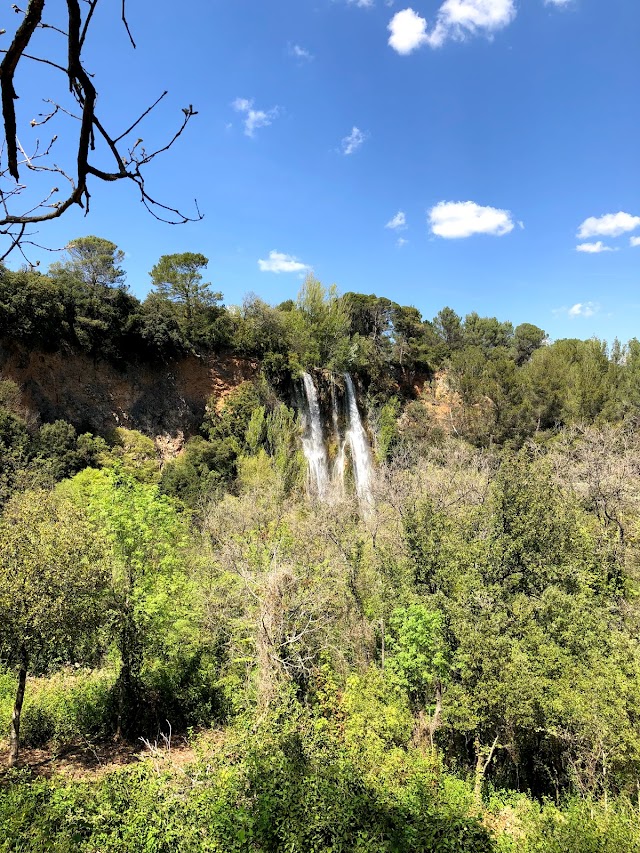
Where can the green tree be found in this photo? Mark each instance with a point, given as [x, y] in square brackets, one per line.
[486, 332]
[58, 452]
[631, 380]
[15, 451]
[98, 310]
[146, 539]
[319, 328]
[178, 278]
[527, 338]
[448, 327]
[96, 262]
[52, 588]
[420, 661]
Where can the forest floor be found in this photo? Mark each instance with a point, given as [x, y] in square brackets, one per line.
[88, 761]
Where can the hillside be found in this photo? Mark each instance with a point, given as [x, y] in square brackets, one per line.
[356, 580]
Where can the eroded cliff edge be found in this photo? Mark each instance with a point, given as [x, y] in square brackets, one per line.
[165, 400]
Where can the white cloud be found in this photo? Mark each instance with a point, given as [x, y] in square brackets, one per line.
[609, 225]
[583, 309]
[400, 242]
[557, 2]
[634, 241]
[279, 262]
[454, 219]
[353, 141]
[253, 119]
[363, 4]
[456, 19]
[300, 53]
[398, 223]
[408, 31]
[594, 248]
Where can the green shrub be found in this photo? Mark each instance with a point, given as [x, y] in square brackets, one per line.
[584, 826]
[283, 788]
[60, 708]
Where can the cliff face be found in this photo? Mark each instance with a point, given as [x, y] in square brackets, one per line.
[165, 401]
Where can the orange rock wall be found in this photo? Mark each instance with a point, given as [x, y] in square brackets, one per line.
[164, 400]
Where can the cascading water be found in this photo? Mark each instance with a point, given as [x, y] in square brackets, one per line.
[337, 473]
[313, 444]
[360, 455]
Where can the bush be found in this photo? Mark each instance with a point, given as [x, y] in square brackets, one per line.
[62, 708]
[285, 787]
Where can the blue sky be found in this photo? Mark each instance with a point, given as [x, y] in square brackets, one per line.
[481, 154]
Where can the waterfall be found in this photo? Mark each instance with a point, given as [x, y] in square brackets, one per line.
[360, 455]
[328, 481]
[337, 472]
[313, 444]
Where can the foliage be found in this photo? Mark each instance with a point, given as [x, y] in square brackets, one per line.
[52, 590]
[94, 261]
[294, 789]
[73, 704]
[474, 636]
[178, 281]
[151, 593]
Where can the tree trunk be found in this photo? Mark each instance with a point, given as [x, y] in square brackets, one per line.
[434, 723]
[129, 671]
[14, 736]
[484, 755]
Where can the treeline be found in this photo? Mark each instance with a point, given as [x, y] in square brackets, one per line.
[83, 302]
[510, 382]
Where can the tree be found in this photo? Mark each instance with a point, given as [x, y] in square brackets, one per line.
[448, 326]
[527, 338]
[631, 381]
[318, 330]
[97, 306]
[419, 659]
[27, 204]
[93, 261]
[178, 278]
[149, 593]
[52, 588]
[486, 332]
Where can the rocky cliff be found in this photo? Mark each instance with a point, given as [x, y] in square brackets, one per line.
[165, 400]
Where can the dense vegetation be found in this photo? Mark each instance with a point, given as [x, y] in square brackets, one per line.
[456, 669]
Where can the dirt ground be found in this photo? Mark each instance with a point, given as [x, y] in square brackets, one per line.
[85, 761]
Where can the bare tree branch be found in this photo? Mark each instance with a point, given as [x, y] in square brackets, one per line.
[128, 161]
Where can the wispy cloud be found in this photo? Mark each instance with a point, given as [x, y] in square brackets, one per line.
[363, 4]
[398, 223]
[557, 2]
[634, 241]
[278, 262]
[401, 241]
[583, 309]
[609, 225]
[254, 119]
[456, 219]
[353, 141]
[594, 248]
[300, 53]
[580, 309]
[456, 19]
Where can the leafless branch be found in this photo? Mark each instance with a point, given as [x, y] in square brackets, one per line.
[128, 162]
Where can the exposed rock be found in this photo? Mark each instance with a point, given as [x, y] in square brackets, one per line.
[165, 401]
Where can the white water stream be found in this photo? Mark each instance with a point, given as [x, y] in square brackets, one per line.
[360, 453]
[323, 482]
[313, 444]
